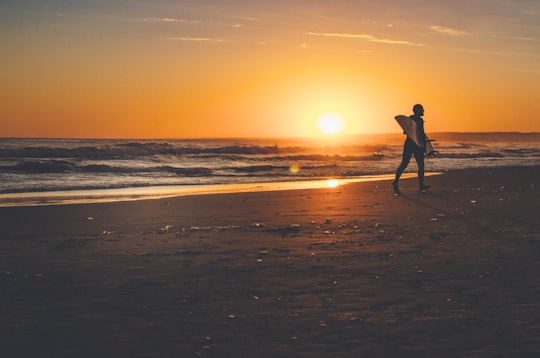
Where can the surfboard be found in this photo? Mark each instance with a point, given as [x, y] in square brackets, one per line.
[411, 129]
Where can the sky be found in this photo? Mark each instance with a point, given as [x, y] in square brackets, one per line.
[253, 68]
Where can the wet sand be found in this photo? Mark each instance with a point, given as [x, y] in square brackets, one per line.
[348, 271]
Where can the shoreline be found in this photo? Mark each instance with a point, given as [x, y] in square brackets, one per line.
[94, 196]
[347, 271]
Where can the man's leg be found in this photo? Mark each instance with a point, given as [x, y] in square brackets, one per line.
[419, 157]
[407, 153]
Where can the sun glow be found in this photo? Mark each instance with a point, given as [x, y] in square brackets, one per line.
[330, 123]
[332, 183]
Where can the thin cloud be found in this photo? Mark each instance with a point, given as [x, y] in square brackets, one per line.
[535, 71]
[197, 39]
[367, 37]
[172, 20]
[248, 18]
[449, 31]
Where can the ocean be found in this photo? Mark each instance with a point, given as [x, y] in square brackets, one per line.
[35, 171]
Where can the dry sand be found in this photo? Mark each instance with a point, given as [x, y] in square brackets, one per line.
[348, 271]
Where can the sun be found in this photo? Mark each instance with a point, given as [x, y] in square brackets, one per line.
[330, 123]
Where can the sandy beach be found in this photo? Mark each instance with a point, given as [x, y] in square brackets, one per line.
[349, 271]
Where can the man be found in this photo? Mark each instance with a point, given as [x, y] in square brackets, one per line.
[410, 148]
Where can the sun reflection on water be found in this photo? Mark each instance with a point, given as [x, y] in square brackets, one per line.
[332, 183]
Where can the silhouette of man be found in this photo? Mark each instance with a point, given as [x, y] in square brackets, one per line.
[410, 148]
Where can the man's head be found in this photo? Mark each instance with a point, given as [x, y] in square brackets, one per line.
[418, 110]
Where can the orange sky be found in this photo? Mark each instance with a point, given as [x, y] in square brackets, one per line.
[232, 68]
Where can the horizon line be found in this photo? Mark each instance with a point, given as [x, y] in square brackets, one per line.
[335, 137]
